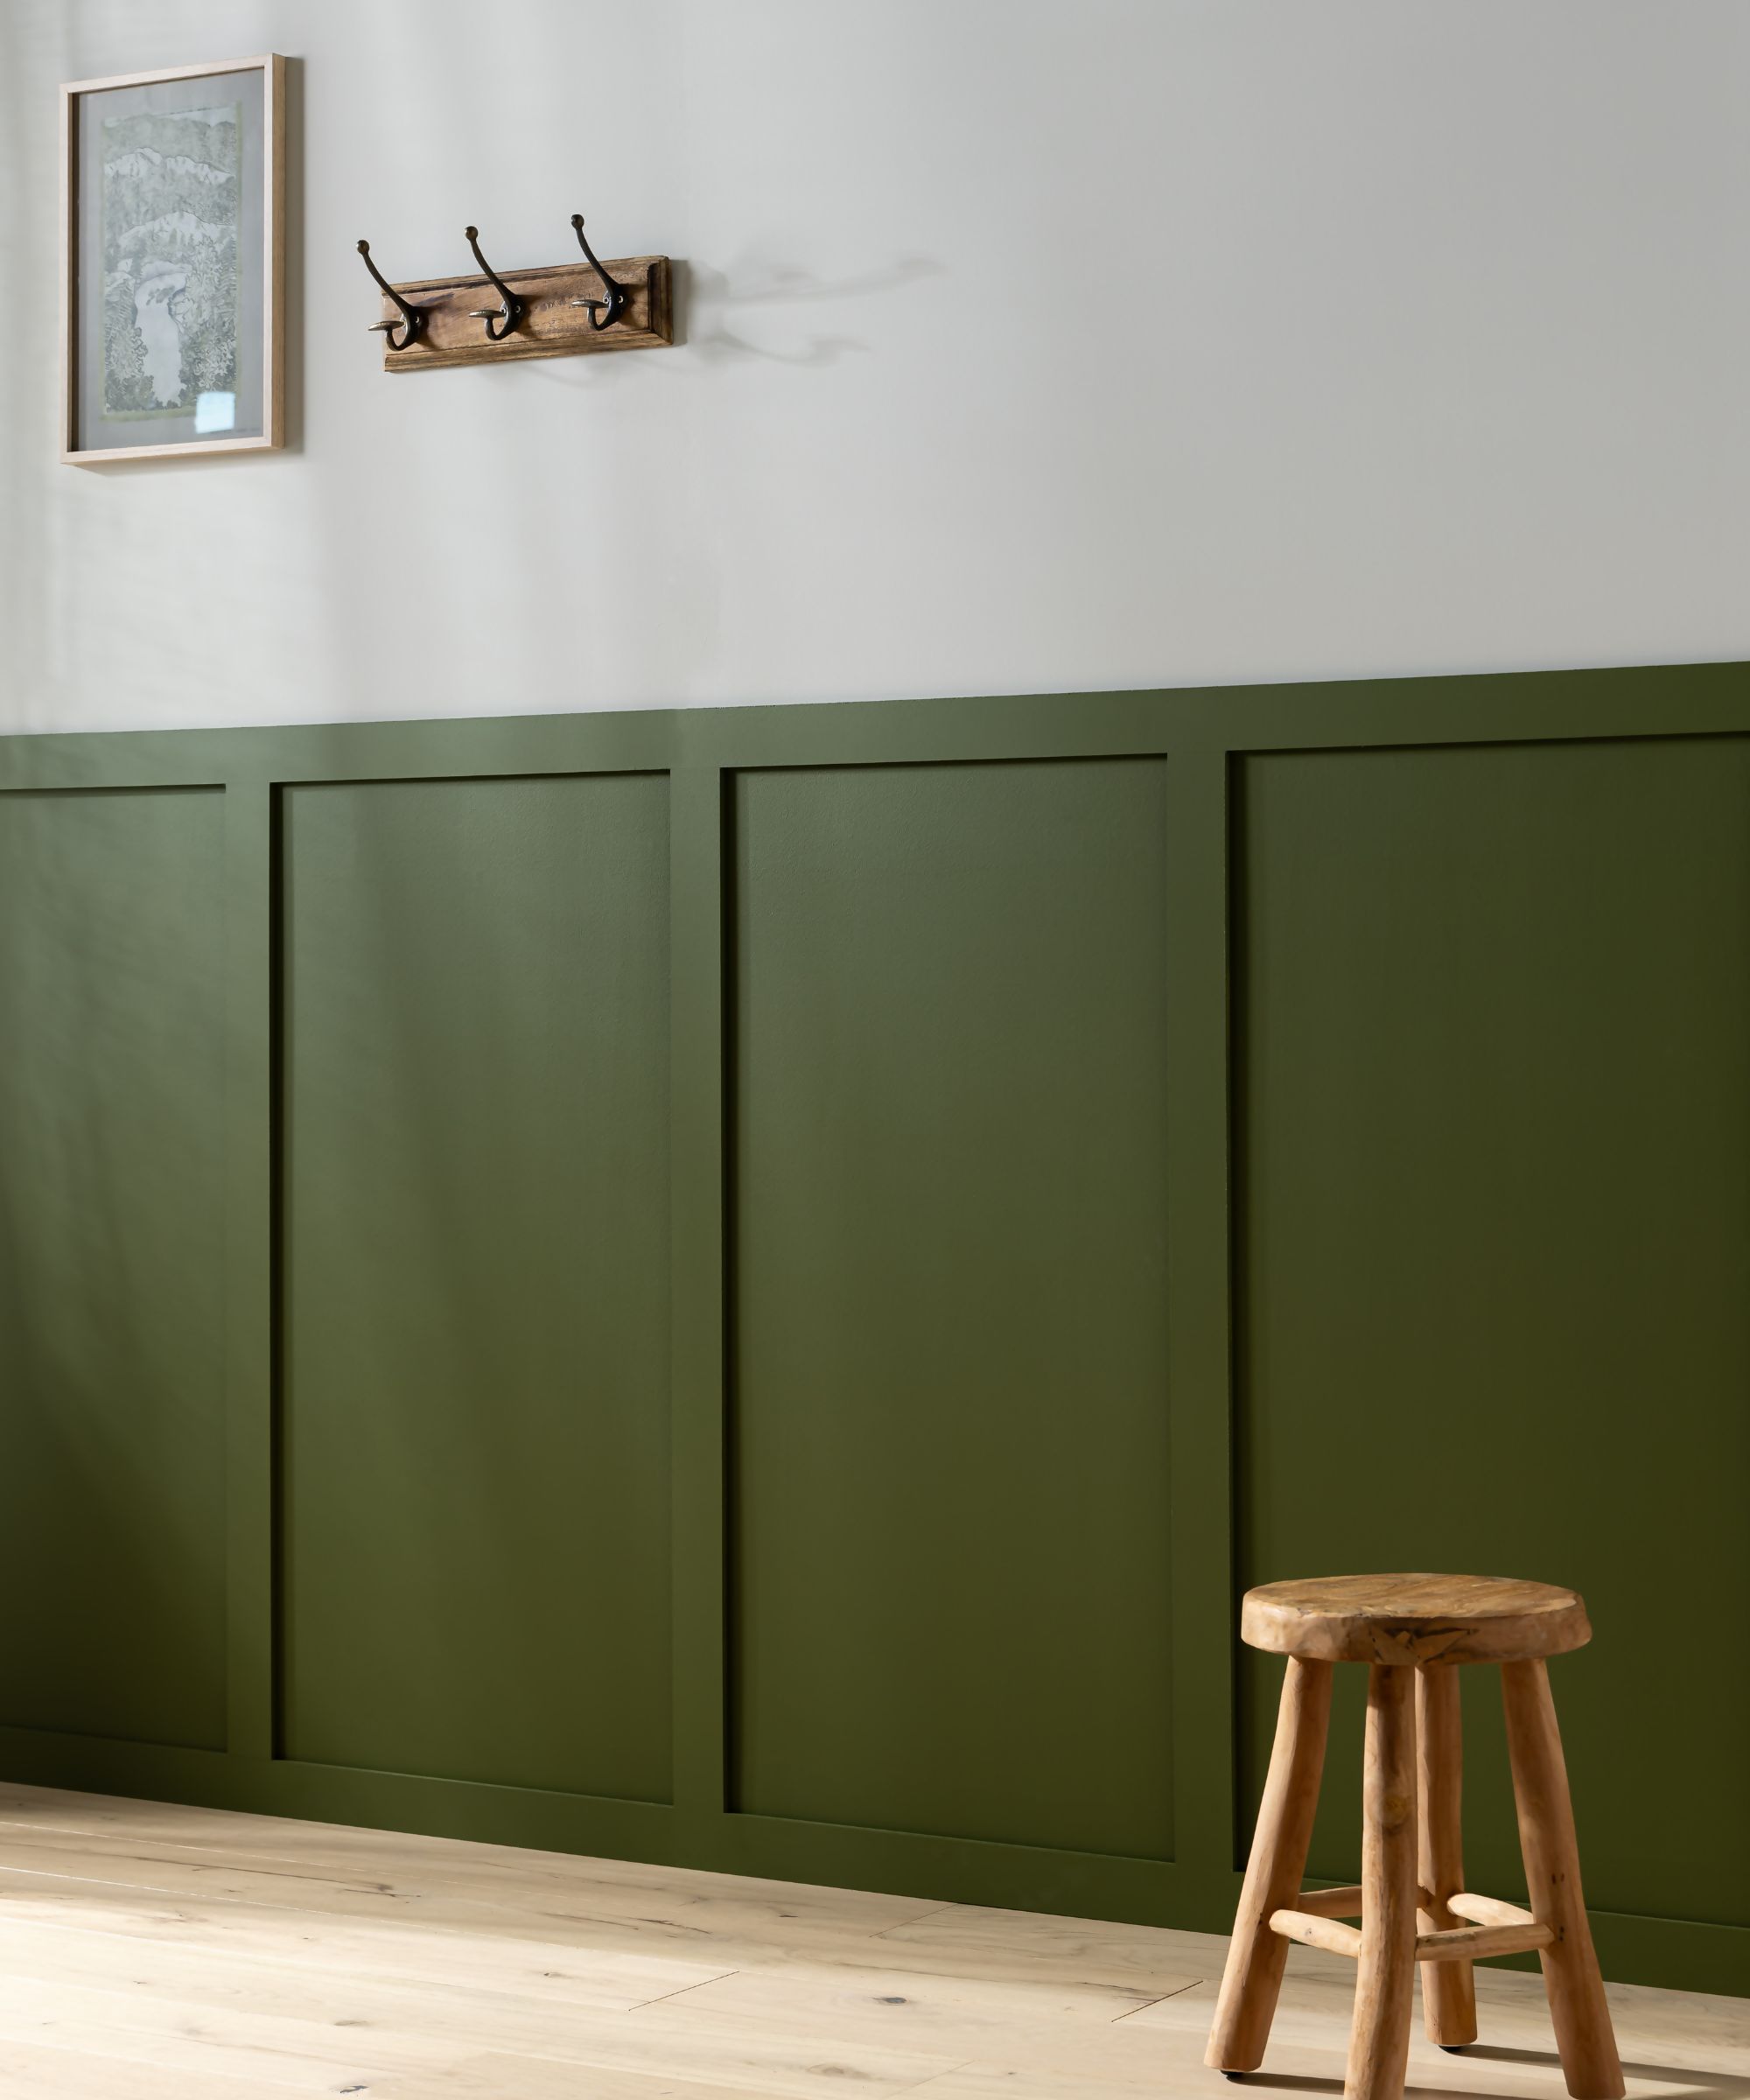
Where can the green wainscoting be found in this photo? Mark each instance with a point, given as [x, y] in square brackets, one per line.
[950, 1507]
[746, 1287]
[112, 1214]
[1494, 1019]
[474, 1280]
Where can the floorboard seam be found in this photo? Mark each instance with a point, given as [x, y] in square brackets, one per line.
[906, 1924]
[949, 2072]
[663, 1997]
[1162, 2000]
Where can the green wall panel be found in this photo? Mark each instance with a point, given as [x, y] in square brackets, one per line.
[112, 1450]
[474, 1431]
[951, 1604]
[1494, 1252]
[746, 1286]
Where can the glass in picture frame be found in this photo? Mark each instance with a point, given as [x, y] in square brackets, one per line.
[173, 262]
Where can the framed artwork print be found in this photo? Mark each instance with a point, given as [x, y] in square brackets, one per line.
[173, 262]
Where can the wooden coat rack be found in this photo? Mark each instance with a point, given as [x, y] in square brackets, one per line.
[566, 310]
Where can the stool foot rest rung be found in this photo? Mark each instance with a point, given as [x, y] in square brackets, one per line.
[1478, 1943]
[1317, 1932]
[1491, 1928]
[1484, 1910]
[1347, 1903]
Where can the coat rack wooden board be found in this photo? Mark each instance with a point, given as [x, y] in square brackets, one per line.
[551, 325]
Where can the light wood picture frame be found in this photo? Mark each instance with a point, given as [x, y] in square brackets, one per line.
[160, 292]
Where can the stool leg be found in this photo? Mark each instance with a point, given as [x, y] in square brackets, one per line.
[1379, 2042]
[1577, 2010]
[1448, 1991]
[1256, 1955]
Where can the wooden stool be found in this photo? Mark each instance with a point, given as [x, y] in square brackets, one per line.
[1412, 1630]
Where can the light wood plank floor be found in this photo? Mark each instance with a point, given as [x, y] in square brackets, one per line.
[151, 1952]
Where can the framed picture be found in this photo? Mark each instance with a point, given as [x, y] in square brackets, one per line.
[173, 262]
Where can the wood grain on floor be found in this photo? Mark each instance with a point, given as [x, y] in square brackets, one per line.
[150, 1951]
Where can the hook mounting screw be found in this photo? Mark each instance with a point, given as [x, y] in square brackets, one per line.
[507, 315]
[603, 312]
[412, 321]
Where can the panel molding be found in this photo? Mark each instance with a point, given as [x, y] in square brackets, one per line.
[1201, 734]
[474, 1286]
[1494, 1030]
[951, 1607]
[1199, 1286]
[697, 1053]
[251, 1145]
[113, 1340]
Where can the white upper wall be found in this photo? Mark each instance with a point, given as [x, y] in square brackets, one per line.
[1029, 345]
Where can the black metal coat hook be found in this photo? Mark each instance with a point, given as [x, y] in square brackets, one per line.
[412, 321]
[507, 315]
[603, 312]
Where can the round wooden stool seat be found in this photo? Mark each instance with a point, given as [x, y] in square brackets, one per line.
[1398, 1620]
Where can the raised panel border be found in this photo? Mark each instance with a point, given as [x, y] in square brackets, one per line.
[259, 1632]
[235, 1206]
[1201, 730]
